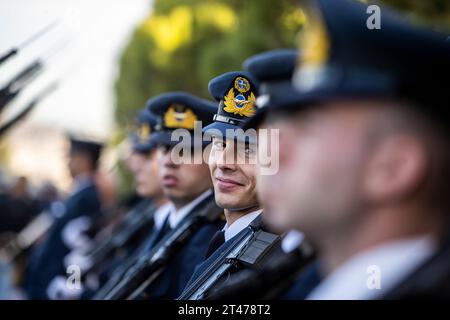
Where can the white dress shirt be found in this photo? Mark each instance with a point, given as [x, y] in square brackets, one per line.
[177, 215]
[240, 224]
[370, 274]
[161, 214]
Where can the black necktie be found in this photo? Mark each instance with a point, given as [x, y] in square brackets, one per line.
[215, 243]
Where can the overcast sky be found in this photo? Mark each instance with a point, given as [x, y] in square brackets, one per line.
[98, 31]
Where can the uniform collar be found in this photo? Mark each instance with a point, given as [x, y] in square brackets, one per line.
[82, 181]
[177, 215]
[386, 265]
[240, 224]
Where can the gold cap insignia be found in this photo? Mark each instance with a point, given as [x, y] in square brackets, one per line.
[241, 104]
[314, 43]
[241, 84]
[178, 116]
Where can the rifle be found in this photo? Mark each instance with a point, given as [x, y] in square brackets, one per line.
[28, 108]
[147, 270]
[249, 249]
[26, 237]
[267, 282]
[15, 50]
[119, 273]
[138, 220]
[136, 257]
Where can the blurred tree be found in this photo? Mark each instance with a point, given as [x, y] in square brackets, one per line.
[182, 44]
[185, 43]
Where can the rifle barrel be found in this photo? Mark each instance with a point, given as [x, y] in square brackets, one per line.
[15, 50]
[37, 35]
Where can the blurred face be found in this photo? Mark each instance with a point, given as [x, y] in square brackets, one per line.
[322, 156]
[269, 194]
[135, 161]
[233, 174]
[182, 183]
[146, 175]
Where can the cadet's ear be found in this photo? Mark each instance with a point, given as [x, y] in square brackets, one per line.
[396, 169]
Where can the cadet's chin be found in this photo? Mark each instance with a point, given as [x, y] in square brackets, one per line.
[140, 191]
[147, 191]
[226, 201]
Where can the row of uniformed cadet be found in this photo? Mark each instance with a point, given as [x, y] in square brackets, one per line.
[357, 208]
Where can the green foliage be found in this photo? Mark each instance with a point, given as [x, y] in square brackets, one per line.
[185, 43]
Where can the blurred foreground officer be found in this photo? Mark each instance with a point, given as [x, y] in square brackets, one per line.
[366, 152]
[163, 270]
[243, 242]
[74, 217]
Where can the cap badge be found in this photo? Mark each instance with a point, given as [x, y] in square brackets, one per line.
[178, 116]
[241, 102]
[315, 44]
[144, 132]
